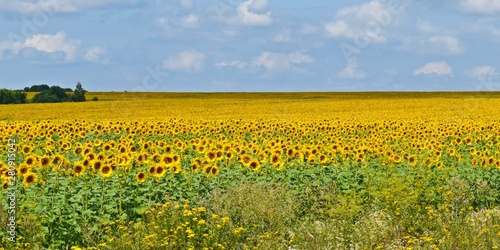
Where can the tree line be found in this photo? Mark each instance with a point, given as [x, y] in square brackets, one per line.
[47, 94]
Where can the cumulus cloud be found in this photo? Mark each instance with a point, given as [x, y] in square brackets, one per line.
[284, 36]
[489, 7]
[234, 64]
[351, 71]
[447, 45]
[95, 55]
[190, 21]
[483, 73]
[365, 20]
[187, 61]
[251, 13]
[186, 3]
[438, 68]
[54, 6]
[44, 43]
[281, 61]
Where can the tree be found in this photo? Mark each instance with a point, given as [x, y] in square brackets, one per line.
[9, 96]
[53, 94]
[37, 88]
[79, 93]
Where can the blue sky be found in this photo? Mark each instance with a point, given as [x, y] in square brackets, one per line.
[251, 45]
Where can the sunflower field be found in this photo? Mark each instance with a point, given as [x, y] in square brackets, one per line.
[252, 171]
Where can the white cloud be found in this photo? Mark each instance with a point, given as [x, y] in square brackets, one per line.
[252, 13]
[483, 73]
[55, 6]
[45, 43]
[190, 21]
[481, 6]
[351, 71]
[340, 29]
[281, 61]
[427, 27]
[187, 61]
[186, 3]
[438, 68]
[367, 20]
[236, 64]
[284, 36]
[95, 54]
[447, 45]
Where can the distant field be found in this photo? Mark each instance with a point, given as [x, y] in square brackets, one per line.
[253, 171]
[276, 106]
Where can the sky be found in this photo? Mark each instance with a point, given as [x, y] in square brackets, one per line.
[251, 45]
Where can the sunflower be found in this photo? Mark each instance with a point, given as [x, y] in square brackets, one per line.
[207, 169]
[214, 171]
[275, 159]
[279, 165]
[195, 166]
[245, 159]
[156, 158]
[77, 151]
[23, 169]
[90, 156]
[57, 160]
[167, 159]
[176, 158]
[30, 160]
[176, 168]
[254, 165]
[44, 161]
[78, 169]
[30, 179]
[97, 165]
[211, 156]
[412, 160]
[86, 163]
[141, 177]
[106, 171]
[152, 170]
[106, 147]
[27, 149]
[160, 171]
[100, 157]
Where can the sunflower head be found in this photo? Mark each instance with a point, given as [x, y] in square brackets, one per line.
[106, 171]
[45, 161]
[254, 165]
[29, 179]
[160, 171]
[78, 169]
[141, 177]
[97, 165]
[176, 168]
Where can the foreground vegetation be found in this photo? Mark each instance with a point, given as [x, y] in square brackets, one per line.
[402, 178]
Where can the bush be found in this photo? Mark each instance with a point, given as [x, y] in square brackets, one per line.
[58, 94]
[270, 206]
[95, 99]
[54, 94]
[9, 96]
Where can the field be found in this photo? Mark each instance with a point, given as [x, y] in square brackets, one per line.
[252, 171]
